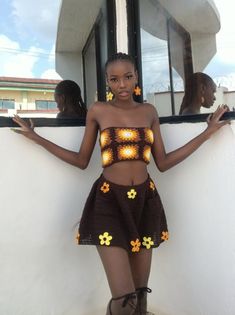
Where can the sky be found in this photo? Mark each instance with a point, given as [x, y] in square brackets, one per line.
[28, 35]
[222, 66]
[27, 38]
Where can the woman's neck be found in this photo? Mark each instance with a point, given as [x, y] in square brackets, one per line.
[193, 108]
[129, 104]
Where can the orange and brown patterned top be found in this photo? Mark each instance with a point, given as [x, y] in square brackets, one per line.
[125, 144]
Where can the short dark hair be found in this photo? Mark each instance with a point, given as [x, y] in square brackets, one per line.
[120, 57]
[72, 94]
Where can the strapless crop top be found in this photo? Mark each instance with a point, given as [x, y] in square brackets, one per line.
[125, 144]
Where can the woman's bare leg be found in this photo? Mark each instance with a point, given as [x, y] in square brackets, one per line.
[140, 266]
[119, 274]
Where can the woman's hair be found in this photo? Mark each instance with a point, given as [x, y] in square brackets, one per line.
[72, 94]
[120, 57]
[192, 86]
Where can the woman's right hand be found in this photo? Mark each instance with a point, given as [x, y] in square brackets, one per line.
[213, 121]
[26, 129]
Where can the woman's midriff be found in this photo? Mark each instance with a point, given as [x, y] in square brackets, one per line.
[127, 173]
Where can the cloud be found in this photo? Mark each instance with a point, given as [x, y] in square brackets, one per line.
[51, 74]
[16, 62]
[39, 19]
[225, 37]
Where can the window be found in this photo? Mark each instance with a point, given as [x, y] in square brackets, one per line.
[90, 73]
[163, 52]
[45, 105]
[7, 104]
[100, 44]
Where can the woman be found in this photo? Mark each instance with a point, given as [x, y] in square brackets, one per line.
[200, 92]
[69, 100]
[123, 216]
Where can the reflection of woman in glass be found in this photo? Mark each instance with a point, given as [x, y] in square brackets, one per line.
[199, 91]
[69, 100]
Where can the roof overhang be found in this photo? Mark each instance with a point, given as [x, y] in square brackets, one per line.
[196, 16]
[75, 23]
[78, 16]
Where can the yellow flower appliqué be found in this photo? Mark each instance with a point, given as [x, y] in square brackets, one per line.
[165, 236]
[135, 245]
[105, 238]
[151, 185]
[105, 187]
[131, 194]
[78, 238]
[147, 242]
[109, 96]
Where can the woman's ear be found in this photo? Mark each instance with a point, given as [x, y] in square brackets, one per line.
[202, 88]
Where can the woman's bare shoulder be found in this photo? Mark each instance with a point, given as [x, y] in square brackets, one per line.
[98, 105]
[150, 108]
[97, 111]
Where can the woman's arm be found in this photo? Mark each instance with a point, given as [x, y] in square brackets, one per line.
[165, 161]
[79, 159]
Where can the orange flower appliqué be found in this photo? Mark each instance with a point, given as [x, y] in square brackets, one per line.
[105, 187]
[78, 238]
[151, 185]
[165, 236]
[137, 91]
[135, 245]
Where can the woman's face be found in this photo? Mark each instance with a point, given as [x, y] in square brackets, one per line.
[121, 78]
[209, 94]
[59, 99]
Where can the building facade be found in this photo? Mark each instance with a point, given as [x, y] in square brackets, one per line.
[27, 96]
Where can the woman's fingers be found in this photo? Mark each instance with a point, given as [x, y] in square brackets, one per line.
[31, 123]
[217, 114]
[23, 124]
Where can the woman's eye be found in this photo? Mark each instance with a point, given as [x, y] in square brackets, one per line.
[113, 80]
[130, 76]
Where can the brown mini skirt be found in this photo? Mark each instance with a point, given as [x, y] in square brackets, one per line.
[131, 217]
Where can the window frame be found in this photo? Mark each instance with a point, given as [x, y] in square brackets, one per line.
[2, 100]
[108, 12]
[46, 101]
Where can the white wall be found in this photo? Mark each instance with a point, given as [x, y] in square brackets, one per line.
[44, 272]
[162, 101]
[69, 66]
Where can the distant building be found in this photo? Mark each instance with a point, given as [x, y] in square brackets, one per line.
[27, 96]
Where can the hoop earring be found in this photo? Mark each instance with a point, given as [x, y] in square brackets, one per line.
[137, 90]
[202, 100]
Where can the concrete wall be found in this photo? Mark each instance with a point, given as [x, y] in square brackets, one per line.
[44, 272]
[162, 101]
